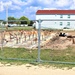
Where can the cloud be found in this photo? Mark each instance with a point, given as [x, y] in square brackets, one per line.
[62, 3]
[22, 3]
[29, 7]
[29, 12]
[18, 2]
[72, 5]
[14, 7]
[74, 1]
[45, 2]
[1, 7]
[9, 3]
[49, 8]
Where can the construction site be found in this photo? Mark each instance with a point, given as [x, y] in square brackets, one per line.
[29, 39]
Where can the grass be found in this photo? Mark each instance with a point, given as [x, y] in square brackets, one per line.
[17, 55]
[21, 53]
[66, 55]
[17, 28]
[20, 28]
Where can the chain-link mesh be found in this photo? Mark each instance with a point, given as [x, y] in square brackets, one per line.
[22, 42]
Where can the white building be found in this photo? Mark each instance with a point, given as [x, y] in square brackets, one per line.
[67, 18]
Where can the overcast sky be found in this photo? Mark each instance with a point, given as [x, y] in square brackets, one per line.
[28, 8]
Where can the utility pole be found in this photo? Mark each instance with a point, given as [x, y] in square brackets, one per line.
[7, 16]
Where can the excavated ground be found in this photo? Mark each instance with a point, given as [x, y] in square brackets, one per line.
[29, 39]
[61, 42]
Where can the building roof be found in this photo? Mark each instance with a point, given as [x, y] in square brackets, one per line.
[42, 12]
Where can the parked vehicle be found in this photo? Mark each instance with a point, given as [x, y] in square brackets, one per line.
[12, 25]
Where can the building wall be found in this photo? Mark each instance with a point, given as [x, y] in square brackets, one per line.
[56, 24]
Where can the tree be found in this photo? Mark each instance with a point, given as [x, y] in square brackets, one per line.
[31, 23]
[11, 18]
[26, 20]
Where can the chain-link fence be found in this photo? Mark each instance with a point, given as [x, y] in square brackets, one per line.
[43, 44]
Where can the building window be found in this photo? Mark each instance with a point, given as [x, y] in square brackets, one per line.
[61, 16]
[55, 14]
[68, 16]
[55, 22]
[68, 23]
[61, 23]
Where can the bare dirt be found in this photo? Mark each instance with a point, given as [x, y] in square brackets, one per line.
[61, 42]
[29, 39]
[34, 70]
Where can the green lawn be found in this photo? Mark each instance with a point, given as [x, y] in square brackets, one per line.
[67, 55]
[30, 56]
[20, 53]
[17, 28]
[20, 28]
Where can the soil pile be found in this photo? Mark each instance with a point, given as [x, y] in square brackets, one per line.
[59, 43]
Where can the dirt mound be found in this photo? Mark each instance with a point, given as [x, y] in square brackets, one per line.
[58, 43]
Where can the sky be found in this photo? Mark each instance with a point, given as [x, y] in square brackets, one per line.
[28, 8]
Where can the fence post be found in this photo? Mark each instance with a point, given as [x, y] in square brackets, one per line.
[1, 39]
[39, 33]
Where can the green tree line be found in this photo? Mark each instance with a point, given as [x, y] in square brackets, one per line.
[23, 20]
